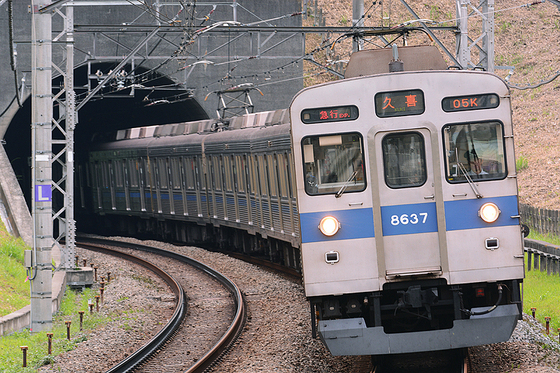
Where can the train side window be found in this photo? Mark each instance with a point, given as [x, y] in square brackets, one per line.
[190, 172]
[133, 172]
[227, 167]
[262, 172]
[98, 177]
[148, 172]
[118, 164]
[234, 170]
[240, 173]
[282, 170]
[333, 162]
[474, 150]
[105, 174]
[176, 173]
[218, 168]
[256, 179]
[273, 183]
[162, 170]
[404, 160]
[211, 179]
[144, 173]
[201, 172]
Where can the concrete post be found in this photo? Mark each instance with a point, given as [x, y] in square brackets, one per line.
[41, 124]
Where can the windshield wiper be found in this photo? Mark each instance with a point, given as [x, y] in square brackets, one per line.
[346, 183]
[467, 176]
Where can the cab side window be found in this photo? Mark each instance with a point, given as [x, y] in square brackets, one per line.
[333, 162]
[474, 151]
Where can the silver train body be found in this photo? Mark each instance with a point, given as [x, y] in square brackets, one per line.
[407, 196]
[380, 189]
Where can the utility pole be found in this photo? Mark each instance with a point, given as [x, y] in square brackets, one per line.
[357, 21]
[484, 43]
[41, 172]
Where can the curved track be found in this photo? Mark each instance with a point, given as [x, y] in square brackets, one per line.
[157, 343]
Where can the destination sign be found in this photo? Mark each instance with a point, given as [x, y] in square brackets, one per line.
[473, 102]
[329, 114]
[400, 103]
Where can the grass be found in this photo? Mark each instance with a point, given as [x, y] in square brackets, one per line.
[10, 352]
[521, 163]
[543, 291]
[14, 290]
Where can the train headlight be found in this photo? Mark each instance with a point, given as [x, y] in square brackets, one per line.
[329, 226]
[489, 212]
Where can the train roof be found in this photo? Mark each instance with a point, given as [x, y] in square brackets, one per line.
[378, 61]
[261, 119]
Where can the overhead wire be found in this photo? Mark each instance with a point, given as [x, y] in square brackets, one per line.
[533, 86]
[194, 35]
[12, 54]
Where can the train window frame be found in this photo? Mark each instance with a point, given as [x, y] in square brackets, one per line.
[240, 174]
[119, 173]
[228, 165]
[453, 172]
[254, 179]
[134, 178]
[283, 178]
[318, 151]
[272, 175]
[190, 177]
[146, 172]
[175, 170]
[263, 175]
[401, 164]
[162, 168]
[105, 174]
[126, 174]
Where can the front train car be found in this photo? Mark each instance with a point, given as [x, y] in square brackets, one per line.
[407, 195]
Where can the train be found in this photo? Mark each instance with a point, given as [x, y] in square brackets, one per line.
[393, 191]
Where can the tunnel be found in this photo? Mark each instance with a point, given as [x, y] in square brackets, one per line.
[158, 100]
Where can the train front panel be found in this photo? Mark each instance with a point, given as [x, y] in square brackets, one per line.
[407, 197]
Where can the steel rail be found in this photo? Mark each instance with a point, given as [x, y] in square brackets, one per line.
[164, 334]
[219, 347]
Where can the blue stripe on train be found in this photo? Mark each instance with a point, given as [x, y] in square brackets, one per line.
[354, 224]
[464, 214]
[409, 219]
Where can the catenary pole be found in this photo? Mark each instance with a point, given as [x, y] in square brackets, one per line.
[41, 124]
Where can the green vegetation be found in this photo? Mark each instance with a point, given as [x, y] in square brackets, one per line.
[14, 290]
[542, 291]
[521, 163]
[10, 352]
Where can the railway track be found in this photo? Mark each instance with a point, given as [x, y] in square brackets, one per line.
[449, 361]
[195, 336]
[168, 357]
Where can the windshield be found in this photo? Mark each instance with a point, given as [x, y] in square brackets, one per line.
[332, 162]
[475, 149]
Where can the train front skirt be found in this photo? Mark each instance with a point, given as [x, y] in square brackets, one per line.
[353, 337]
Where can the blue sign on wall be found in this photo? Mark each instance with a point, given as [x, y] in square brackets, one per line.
[43, 193]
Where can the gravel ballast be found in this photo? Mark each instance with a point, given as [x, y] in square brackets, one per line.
[277, 336]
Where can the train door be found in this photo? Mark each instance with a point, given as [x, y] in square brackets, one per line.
[406, 219]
